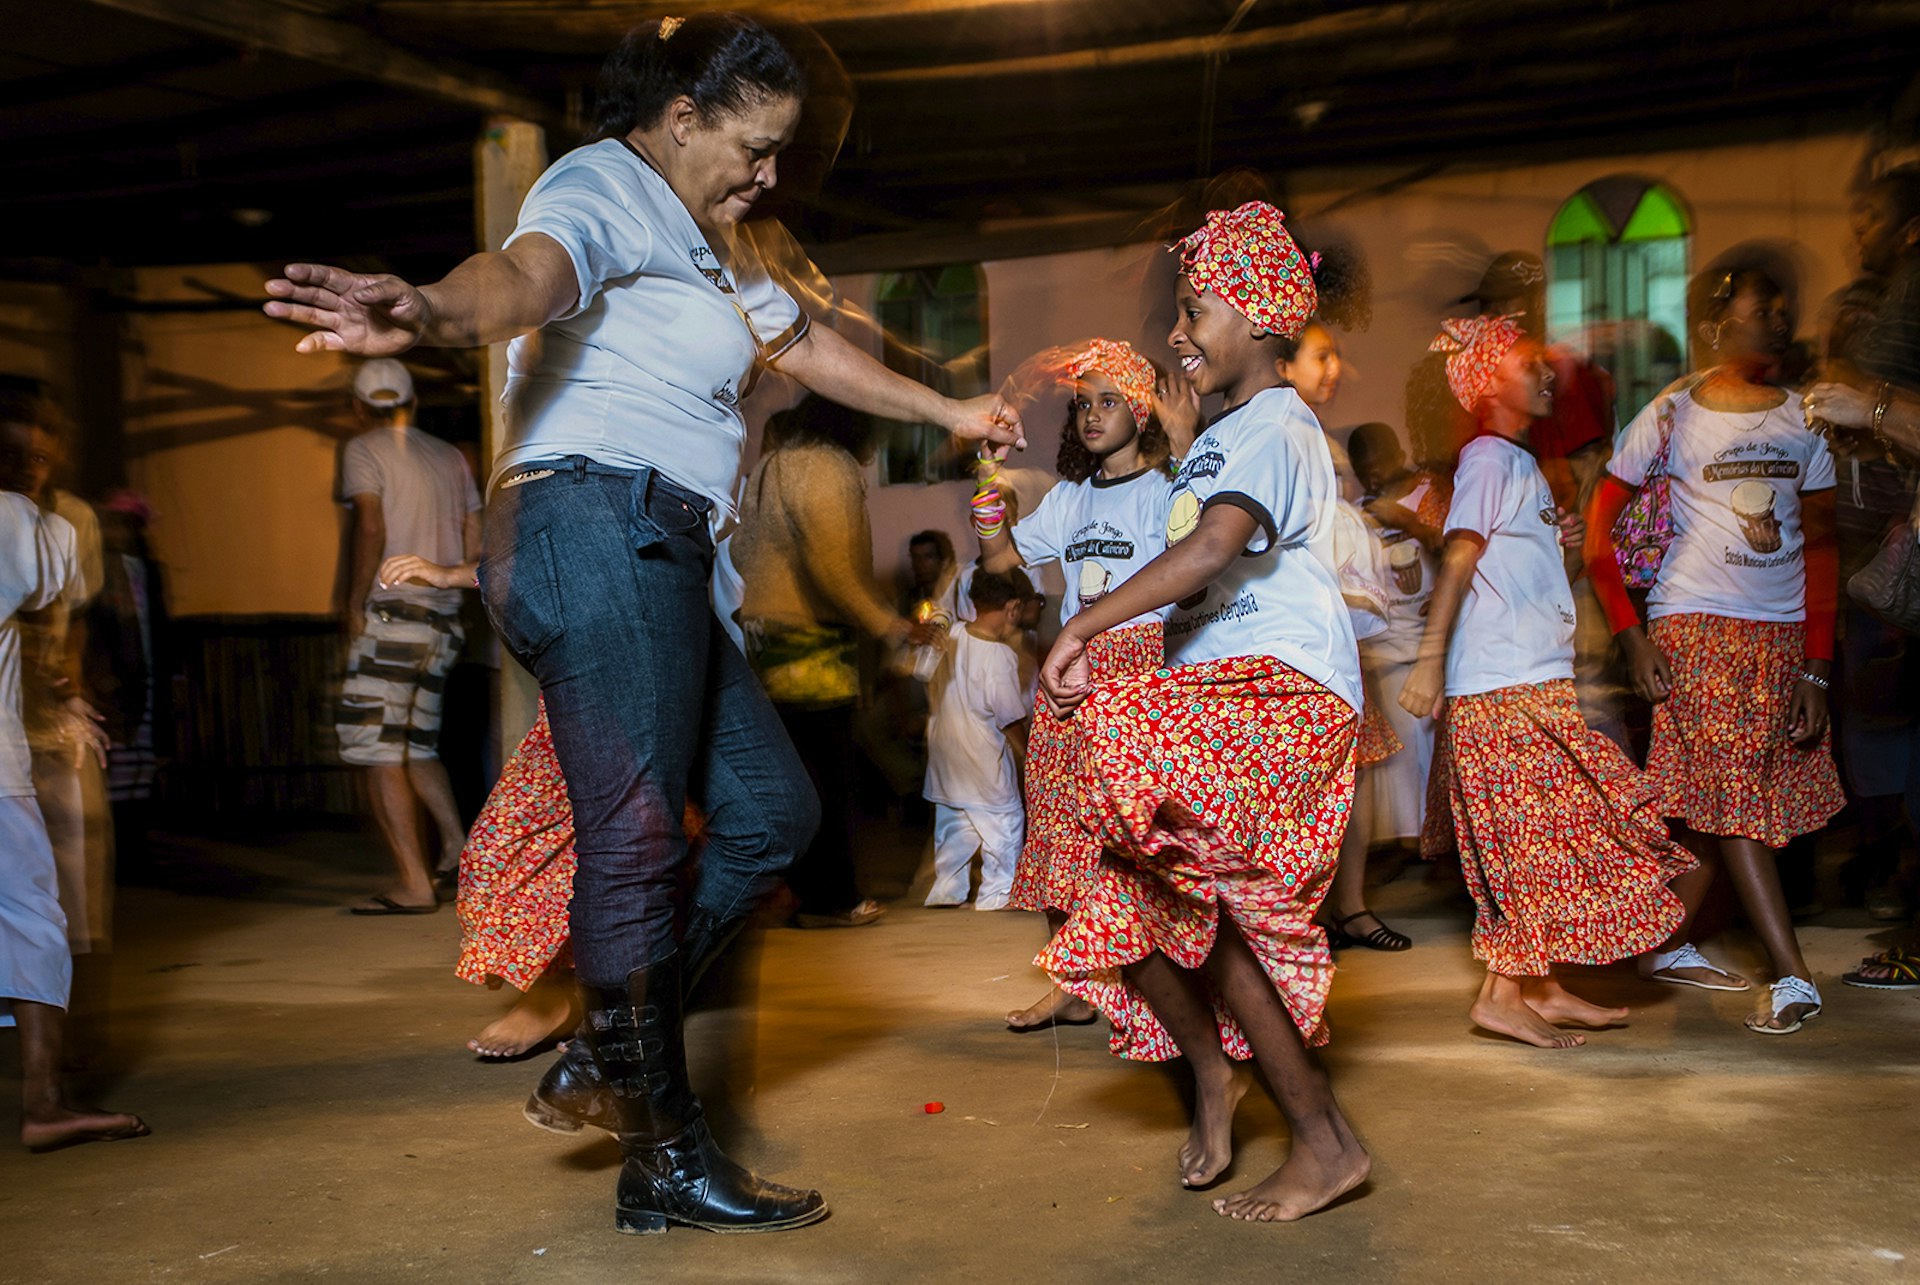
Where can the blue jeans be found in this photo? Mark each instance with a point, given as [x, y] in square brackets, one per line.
[597, 581]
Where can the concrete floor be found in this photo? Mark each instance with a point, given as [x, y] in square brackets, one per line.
[316, 1115]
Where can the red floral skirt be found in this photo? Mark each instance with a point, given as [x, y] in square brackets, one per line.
[1378, 741]
[1221, 785]
[1720, 752]
[516, 873]
[1561, 838]
[1059, 855]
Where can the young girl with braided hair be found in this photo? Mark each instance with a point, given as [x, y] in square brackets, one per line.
[1560, 836]
[1218, 785]
[1105, 519]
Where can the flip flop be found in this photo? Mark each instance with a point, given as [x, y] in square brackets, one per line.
[385, 905]
[1784, 994]
[1902, 968]
[1687, 955]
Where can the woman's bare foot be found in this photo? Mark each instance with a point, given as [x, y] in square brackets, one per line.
[1311, 1179]
[1208, 1150]
[1055, 1008]
[1501, 1009]
[1556, 1004]
[66, 1126]
[546, 1012]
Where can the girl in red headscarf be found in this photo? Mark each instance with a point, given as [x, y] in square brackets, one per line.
[1740, 647]
[1219, 784]
[1560, 836]
[1106, 519]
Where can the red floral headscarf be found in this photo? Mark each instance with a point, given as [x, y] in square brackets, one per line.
[1131, 373]
[1474, 347]
[1247, 258]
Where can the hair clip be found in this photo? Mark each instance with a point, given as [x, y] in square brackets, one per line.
[668, 26]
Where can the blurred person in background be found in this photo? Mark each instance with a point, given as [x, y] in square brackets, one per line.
[804, 550]
[1869, 401]
[70, 785]
[411, 493]
[38, 567]
[130, 666]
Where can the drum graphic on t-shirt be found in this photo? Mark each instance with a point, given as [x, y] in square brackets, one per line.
[1094, 582]
[1753, 502]
[1404, 557]
[1183, 517]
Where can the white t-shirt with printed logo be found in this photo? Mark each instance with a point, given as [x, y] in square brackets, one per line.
[1516, 625]
[1281, 598]
[652, 363]
[1734, 484]
[1360, 560]
[1100, 531]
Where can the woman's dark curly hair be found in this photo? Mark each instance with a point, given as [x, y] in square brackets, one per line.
[1345, 287]
[725, 62]
[1076, 463]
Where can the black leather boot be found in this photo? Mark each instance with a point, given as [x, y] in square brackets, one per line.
[571, 1095]
[673, 1170]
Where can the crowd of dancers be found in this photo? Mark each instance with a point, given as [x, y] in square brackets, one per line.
[1253, 618]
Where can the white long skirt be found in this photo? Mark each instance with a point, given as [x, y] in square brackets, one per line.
[1398, 784]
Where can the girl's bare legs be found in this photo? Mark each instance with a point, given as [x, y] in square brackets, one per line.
[1502, 1008]
[1056, 1005]
[1326, 1160]
[47, 1120]
[1757, 881]
[1179, 998]
[1349, 895]
[1692, 888]
[549, 1009]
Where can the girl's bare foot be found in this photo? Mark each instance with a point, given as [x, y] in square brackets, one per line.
[1556, 1004]
[66, 1126]
[1055, 1008]
[1501, 1009]
[1311, 1179]
[1208, 1150]
[546, 1012]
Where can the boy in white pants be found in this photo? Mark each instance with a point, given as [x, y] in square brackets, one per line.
[976, 743]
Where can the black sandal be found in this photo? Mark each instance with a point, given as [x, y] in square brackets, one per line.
[1381, 938]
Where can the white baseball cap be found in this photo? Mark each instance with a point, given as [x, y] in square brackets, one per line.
[383, 383]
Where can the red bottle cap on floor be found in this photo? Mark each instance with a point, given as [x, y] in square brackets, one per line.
[934, 1108]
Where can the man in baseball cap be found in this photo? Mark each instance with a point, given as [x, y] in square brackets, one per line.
[411, 493]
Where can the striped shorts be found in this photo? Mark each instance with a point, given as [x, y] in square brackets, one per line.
[389, 709]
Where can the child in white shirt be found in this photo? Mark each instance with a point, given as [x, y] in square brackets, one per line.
[976, 741]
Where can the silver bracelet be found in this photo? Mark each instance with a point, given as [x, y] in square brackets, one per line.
[1822, 683]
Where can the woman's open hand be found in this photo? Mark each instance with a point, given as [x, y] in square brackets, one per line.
[374, 316]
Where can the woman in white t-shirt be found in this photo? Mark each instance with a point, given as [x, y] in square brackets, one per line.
[1219, 784]
[1105, 519]
[1560, 836]
[1739, 648]
[624, 443]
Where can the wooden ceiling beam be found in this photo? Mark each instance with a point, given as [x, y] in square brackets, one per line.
[256, 24]
[1421, 32]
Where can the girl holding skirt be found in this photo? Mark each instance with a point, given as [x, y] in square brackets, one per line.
[1105, 519]
[1218, 785]
[1560, 837]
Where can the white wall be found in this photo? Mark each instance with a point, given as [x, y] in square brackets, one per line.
[1426, 244]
